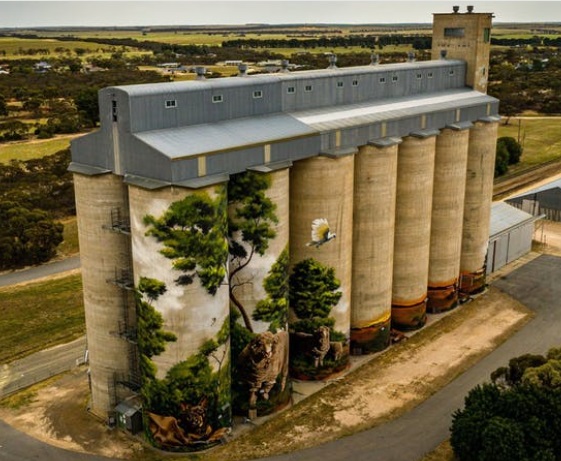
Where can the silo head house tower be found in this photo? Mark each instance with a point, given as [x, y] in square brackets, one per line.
[241, 232]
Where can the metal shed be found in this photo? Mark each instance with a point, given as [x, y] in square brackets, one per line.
[544, 200]
[510, 235]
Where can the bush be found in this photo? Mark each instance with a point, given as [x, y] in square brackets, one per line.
[501, 160]
[513, 147]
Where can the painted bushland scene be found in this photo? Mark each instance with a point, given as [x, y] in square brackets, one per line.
[258, 284]
[183, 321]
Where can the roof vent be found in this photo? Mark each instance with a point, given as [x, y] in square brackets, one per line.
[411, 56]
[456, 9]
[284, 65]
[201, 71]
[242, 69]
[374, 59]
[470, 8]
[332, 61]
[443, 54]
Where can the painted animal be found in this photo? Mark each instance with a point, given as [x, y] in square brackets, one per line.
[321, 345]
[336, 349]
[166, 431]
[321, 233]
[261, 362]
[193, 419]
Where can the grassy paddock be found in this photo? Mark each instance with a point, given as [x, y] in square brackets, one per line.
[27, 150]
[540, 137]
[40, 315]
[69, 246]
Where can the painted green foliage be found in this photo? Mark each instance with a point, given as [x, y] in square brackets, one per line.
[193, 233]
[317, 350]
[253, 218]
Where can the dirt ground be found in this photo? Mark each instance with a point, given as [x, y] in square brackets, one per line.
[389, 384]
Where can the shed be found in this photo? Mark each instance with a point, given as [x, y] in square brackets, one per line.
[510, 236]
[543, 200]
[129, 416]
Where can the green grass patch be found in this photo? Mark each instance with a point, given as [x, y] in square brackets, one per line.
[540, 138]
[69, 245]
[26, 150]
[40, 315]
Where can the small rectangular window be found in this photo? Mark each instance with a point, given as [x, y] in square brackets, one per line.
[394, 78]
[451, 72]
[257, 94]
[308, 88]
[114, 110]
[217, 98]
[419, 76]
[454, 31]
[486, 35]
[170, 103]
[291, 90]
[429, 75]
[339, 84]
[382, 79]
[355, 82]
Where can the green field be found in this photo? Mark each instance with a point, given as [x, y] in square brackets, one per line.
[25, 150]
[40, 315]
[69, 245]
[540, 138]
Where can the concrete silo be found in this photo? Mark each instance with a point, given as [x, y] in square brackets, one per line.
[258, 279]
[447, 218]
[415, 174]
[477, 205]
[102, 210]
[321, 187]
[373, 240]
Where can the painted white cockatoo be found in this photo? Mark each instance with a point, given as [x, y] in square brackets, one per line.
[320, 233]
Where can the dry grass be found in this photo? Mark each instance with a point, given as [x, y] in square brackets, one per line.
[443, 452]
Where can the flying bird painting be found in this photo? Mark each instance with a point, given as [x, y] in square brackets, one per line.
[320, 233]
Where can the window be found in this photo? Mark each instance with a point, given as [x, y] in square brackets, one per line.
[339, 84]
[394, 78]
[217, 98]
[429, 75]
[419, 76]
[291, 90]
[451, 72]
[308, 88]
[114, 110]
[382, 79]
[257, 94]
[486, 35]
[454, 31]
[355, 82]
[170, 103]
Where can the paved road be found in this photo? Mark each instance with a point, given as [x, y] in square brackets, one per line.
[36, 272]
[419, 431]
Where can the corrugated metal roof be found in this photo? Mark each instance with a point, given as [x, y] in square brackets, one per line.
[332, 118]
[224, 136]
[550, 185]
[505, 216]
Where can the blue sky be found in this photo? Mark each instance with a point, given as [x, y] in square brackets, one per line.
[143, 13]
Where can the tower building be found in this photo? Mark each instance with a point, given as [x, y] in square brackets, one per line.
[236, 230]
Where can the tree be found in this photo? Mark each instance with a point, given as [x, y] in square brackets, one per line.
[501, 160]
[86, 102]
[193, 231]
[313, 293]
[513, 147]
[3, 106]
[249, 229]
[274, 308]
[26, 236]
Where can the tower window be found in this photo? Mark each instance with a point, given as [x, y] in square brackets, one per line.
[339, 84]
[217, 98]
[419, 76]
[454, 32]
[291, 90]
[394, 78]
[382, 79]
[355, 82]
[171, 103]
[486, 35]
[451, 72]
[114, 110]
[257, 94]
[308, 88]
[429, 75]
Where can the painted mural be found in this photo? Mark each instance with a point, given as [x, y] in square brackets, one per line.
[187, 405]
[258, 284]
[317, 349]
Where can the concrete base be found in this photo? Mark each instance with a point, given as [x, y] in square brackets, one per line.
[407, 318]
[370, 339]
[473, 282]
[442, 299]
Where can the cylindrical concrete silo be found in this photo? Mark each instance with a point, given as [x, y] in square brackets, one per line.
[321, 188]
[373, 239]
[477, 205]
[415, 172]
[105, 257]
[259, 286]
[187, 377]
[447, 218]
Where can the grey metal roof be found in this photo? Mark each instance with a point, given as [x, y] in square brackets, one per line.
[228, 135]
[505, 217]
[224, 136]
[332, 118]
[550, 185]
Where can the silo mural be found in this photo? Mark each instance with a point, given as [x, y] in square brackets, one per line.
[180, 261]
[258, 284]
[321, 241]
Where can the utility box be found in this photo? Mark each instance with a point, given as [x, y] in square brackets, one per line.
[129, 417]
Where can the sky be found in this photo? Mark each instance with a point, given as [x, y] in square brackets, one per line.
[25, 13]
